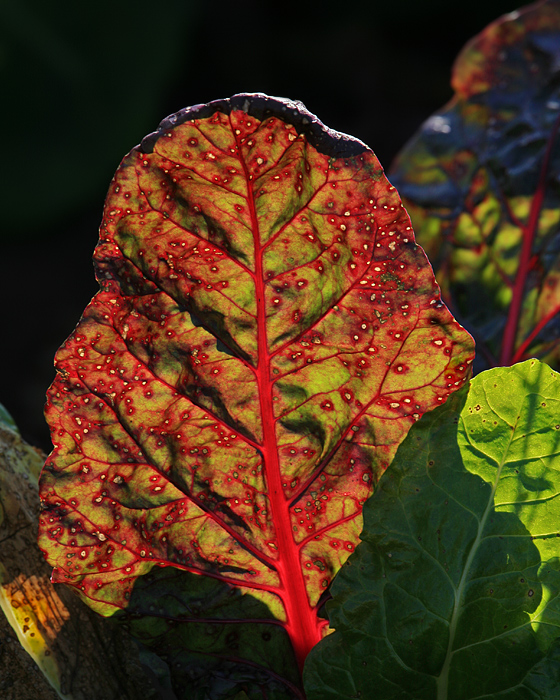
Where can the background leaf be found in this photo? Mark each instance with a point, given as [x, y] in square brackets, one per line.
[7, 420]
[265, 334]
[480, 182]
[454, 591]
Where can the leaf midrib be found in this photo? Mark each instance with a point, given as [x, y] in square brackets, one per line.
[442, 681]
[302, 623]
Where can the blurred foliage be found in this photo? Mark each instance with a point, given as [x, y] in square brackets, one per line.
[480, 181]
[6, 419]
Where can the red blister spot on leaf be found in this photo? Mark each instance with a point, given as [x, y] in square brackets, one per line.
[232, 393]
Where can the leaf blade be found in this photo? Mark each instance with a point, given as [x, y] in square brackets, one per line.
[233, 391]
[454, 591]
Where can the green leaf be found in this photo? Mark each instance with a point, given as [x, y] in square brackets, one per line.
[480, 182]
[7, 420]
[454, 593]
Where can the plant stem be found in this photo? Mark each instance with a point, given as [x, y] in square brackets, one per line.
[302, 625]
[442, 681]
[529, 233]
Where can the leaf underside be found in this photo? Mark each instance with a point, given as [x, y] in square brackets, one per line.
[454, 592]
[265, 334]
[480, 182]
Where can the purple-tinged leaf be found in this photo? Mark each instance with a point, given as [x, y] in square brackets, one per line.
[265, 334]
[481, 184]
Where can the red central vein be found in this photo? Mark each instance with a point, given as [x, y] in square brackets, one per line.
[302, 624]
[529, 233]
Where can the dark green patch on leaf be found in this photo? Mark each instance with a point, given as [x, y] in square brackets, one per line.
[201, 629]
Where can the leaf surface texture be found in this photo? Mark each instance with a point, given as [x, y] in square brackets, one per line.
[265, 334]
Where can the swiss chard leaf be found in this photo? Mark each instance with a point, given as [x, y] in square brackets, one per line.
[455, 590]
[480, 182]
[265, 334]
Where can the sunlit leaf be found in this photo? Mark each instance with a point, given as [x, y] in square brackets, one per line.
[454, 592]
[265, 334]
[480, 182]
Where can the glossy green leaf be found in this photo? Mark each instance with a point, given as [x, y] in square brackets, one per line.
[265, 334]
[480, 182]
[454, 592]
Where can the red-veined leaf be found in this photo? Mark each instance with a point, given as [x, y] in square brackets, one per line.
[480, 181]
[265, 334]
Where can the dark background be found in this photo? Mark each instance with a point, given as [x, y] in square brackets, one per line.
[82, 85]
